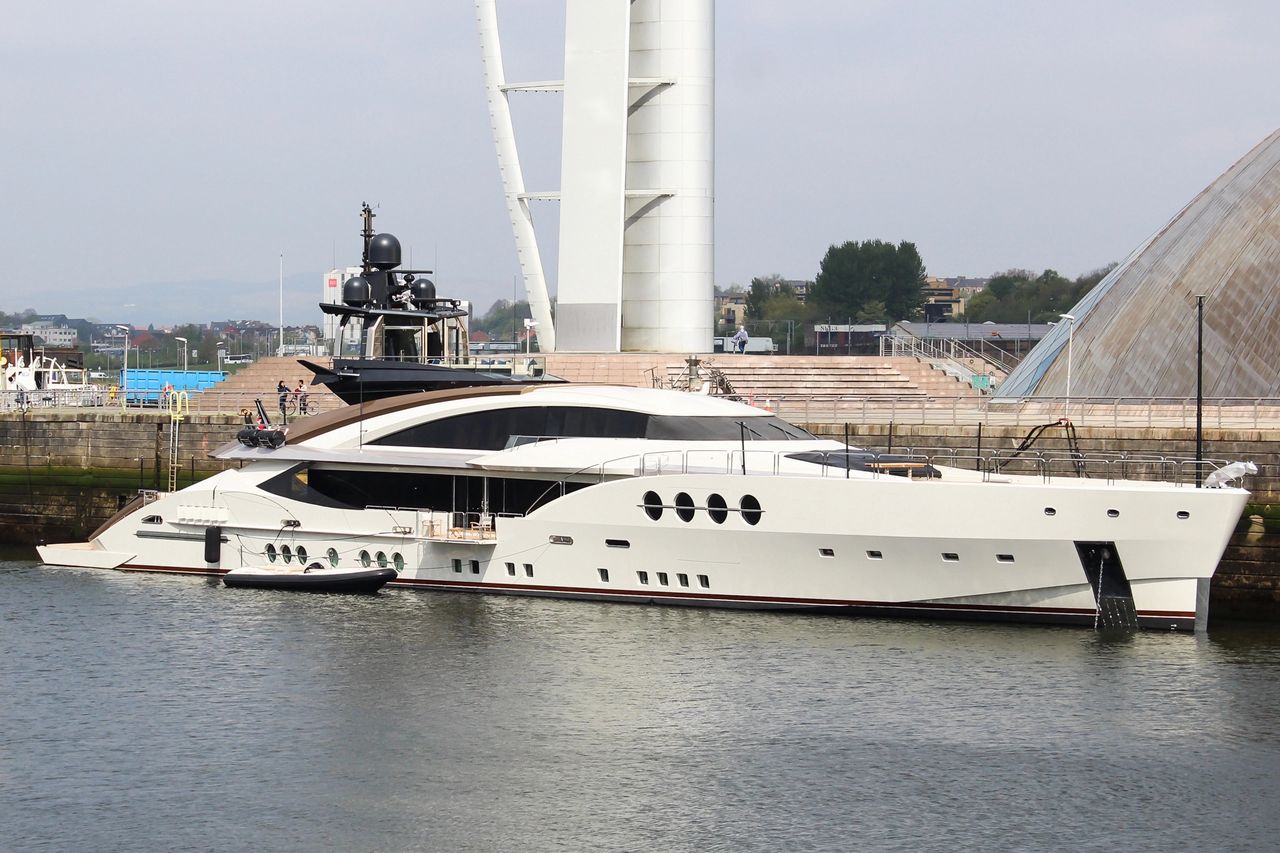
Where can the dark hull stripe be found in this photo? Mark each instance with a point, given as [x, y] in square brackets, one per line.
[936, 610]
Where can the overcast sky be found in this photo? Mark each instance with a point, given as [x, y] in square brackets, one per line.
[156, 157]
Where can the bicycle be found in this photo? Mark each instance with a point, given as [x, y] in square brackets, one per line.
[301, 405]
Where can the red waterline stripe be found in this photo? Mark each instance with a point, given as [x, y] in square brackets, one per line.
[747, 599]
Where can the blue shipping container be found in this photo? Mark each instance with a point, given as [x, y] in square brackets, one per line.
[145, 387]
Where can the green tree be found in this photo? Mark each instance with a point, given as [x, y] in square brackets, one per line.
[503, 321]
[762, 290]
[855, 274]
[1016, 296]
[872, 312]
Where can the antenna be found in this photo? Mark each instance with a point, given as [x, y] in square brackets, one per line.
[366, 214]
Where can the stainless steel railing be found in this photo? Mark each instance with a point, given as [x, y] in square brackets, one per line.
[1218, 413]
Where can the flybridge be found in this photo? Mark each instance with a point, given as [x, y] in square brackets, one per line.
[399, 315]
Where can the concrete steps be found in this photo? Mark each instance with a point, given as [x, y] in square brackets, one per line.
[258, 381]
[753, 376]
[770, 376]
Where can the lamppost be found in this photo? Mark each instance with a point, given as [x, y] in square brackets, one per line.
[182, 341]
[1199, 386]
[528, 333]
[1071, 333]
[124, 371]
[222, 351]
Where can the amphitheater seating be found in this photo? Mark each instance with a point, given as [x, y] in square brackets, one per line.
[754, 377]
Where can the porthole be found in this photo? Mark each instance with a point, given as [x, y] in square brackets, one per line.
[704, 581]
[662, 578]
[950, 557]
[826, 552]
[684, 507]
[616, 543]
[750, 509]
[604, 574]
[1050, 511]
[652, 505]
[528, 570]
[683, 578]
[365, 560]
[1113, 513]
[511, 569]
[397, 560]
[643, 577]
[1183, 514]
[271, 553]
[874, 555]
[1004, 558]
[381, 559]
[301, 553]
[457, 566]
[153, 519]
[717, 508]
[332, 554]
[475, 567]
[286, 553]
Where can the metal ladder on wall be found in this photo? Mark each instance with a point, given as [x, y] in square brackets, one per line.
[179, 406]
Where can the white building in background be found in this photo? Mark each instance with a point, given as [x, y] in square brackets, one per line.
[637, 190]
[53, 336]
[332, 295]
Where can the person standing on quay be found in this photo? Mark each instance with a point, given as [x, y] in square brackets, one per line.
[739, 340]
[283, 391]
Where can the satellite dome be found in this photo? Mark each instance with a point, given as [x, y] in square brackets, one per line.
[384, 251]
[356, 292]
[423, 292]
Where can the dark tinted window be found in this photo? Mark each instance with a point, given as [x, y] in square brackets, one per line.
[339, 487]
[495, 429]
[717, 508]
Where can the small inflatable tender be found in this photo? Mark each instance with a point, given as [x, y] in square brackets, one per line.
[312, 578]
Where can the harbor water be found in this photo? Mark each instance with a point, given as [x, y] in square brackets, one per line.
[160, 713]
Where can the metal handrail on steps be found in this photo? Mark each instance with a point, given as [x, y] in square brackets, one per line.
[817, 409]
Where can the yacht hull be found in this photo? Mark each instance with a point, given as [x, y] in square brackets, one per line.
[880, 547]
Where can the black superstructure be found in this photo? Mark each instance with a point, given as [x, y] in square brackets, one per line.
[411, 339]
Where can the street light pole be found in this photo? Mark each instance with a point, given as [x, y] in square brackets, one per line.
[528, 334]
[1071, 333]
[281, 304]
[182, 341]
[124, 371]
[1199, 386]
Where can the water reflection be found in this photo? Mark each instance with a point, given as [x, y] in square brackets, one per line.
[175, 710]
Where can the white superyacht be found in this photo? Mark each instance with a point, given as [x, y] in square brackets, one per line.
[652, 496]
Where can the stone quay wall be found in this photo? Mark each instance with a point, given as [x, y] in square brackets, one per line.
[62, 473]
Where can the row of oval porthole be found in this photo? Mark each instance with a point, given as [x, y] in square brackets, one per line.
[287, 554]
[1183, 515]
[717, 508]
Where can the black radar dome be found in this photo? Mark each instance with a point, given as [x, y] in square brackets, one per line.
[423, 292]
[384, 251]
[356, 292]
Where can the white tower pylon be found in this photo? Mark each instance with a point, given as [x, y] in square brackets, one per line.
[637, 184]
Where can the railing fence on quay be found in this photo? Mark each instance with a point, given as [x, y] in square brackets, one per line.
[1179, 412]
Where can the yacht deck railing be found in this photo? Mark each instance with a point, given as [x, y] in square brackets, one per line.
[1154, 412]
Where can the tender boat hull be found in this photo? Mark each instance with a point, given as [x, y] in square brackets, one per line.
[320, 580]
